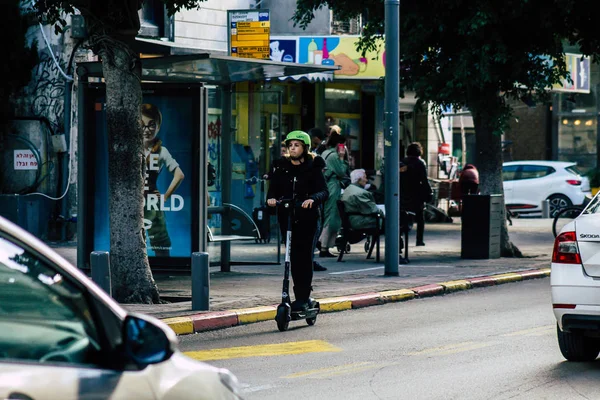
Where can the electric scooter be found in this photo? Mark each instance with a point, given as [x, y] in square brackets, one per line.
[284, 310]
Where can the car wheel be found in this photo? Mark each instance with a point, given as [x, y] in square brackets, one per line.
[574, 346]
[557, 203]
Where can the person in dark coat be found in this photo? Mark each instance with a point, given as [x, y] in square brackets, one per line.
[469, 180]
[415, 188]
[298, 177]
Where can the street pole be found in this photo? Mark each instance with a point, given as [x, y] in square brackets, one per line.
[392, 161]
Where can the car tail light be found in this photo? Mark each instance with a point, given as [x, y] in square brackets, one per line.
[566, 250]
[574, 182]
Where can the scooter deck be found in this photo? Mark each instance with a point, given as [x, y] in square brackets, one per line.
[311, 313]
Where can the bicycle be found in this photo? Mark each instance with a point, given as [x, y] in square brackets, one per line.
[565, 216]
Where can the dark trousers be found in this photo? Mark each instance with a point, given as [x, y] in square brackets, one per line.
[420, 220]
[301, 255]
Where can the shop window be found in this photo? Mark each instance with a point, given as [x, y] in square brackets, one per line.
[345, 101]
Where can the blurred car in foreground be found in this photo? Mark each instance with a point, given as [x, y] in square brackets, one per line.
[575, 285]
[62, 337]
[528, 183]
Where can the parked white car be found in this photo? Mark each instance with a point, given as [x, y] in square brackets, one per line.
[575, 283]
[62, 337]
[528, 183]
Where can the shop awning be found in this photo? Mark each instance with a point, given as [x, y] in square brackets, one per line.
[214, 69]
[314, 77]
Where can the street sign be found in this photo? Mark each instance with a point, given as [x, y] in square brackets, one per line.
[249, 33]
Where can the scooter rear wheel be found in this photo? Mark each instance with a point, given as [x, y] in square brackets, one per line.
[282, 318]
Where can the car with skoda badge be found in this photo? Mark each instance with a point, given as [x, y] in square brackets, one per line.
[575, 285]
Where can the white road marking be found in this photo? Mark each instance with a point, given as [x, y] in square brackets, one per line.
[355, 270]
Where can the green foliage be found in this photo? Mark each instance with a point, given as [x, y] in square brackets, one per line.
[18, 59]
[594, 177]
[478, 55]
[103, 17]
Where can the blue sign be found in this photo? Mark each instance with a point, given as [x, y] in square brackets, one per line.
[283, 50]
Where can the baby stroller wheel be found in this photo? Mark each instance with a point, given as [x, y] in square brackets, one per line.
[367, 245]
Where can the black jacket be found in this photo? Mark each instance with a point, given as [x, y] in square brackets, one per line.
[310, 183]
[415, 189]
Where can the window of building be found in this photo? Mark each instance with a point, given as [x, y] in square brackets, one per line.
[154, 21]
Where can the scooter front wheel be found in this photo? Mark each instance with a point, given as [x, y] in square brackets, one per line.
[283, 318]
[311, 321]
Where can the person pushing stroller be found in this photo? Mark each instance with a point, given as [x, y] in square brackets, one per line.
[299, 178]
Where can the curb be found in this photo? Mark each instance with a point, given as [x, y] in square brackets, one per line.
[208, 321]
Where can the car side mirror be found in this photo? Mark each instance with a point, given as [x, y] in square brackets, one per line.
[147, 340]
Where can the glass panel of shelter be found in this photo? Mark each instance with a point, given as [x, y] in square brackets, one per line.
[255, 141]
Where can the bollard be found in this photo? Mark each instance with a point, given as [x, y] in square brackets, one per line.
[100, 265]
[200, 282]
[545, 208]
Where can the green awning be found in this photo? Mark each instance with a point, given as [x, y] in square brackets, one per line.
[214, 69]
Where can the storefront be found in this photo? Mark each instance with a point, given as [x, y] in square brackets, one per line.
[229, 125]
[575, 115]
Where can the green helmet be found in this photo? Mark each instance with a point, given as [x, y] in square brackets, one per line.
[298, 135]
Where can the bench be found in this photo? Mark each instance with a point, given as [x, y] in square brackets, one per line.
[226, 208]
[350, 235]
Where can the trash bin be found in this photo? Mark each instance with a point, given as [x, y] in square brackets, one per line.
[481, 224]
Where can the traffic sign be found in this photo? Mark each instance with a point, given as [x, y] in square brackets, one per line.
[249, 33]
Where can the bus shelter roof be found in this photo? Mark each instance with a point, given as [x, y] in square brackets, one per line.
[213, 69]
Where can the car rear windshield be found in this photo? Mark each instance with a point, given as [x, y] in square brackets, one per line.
[574, 170]
[593, 207]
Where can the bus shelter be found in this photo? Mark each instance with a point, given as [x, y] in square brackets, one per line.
[222, 141]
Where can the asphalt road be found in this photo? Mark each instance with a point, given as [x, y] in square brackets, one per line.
[489, 343]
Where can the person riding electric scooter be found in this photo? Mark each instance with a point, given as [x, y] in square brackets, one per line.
[299, 179]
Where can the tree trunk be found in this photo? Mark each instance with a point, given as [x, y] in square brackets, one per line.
[489, 163]
[132, 280]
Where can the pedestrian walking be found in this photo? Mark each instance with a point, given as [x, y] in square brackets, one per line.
[298, 177]
[337, 176]
[415, 190]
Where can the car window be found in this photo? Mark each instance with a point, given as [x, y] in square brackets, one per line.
[593, 207]
[43, 317]
[509, 172]
[574, 170]
[535, 171]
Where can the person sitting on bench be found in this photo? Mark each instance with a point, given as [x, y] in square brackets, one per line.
[359, 200]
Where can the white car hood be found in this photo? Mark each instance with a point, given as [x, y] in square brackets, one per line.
[182, 377]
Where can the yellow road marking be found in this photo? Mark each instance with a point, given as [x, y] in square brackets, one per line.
[453, 286]
[397, 295]
[266, 350]
[180, 325]
[338, 370]
[327, 370]
[539, 331]
[452, 348]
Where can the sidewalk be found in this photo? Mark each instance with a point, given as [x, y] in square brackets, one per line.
[438, 261]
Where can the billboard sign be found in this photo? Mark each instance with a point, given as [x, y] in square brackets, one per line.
[578, 68]
[170, 127]
[341, 51]
[249, 33]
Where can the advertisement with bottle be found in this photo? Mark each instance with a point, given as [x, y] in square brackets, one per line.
[169, 127]
[341, 51]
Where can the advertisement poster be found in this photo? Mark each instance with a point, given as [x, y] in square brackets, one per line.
[283, 50]
[168, 128]
[341, 51]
